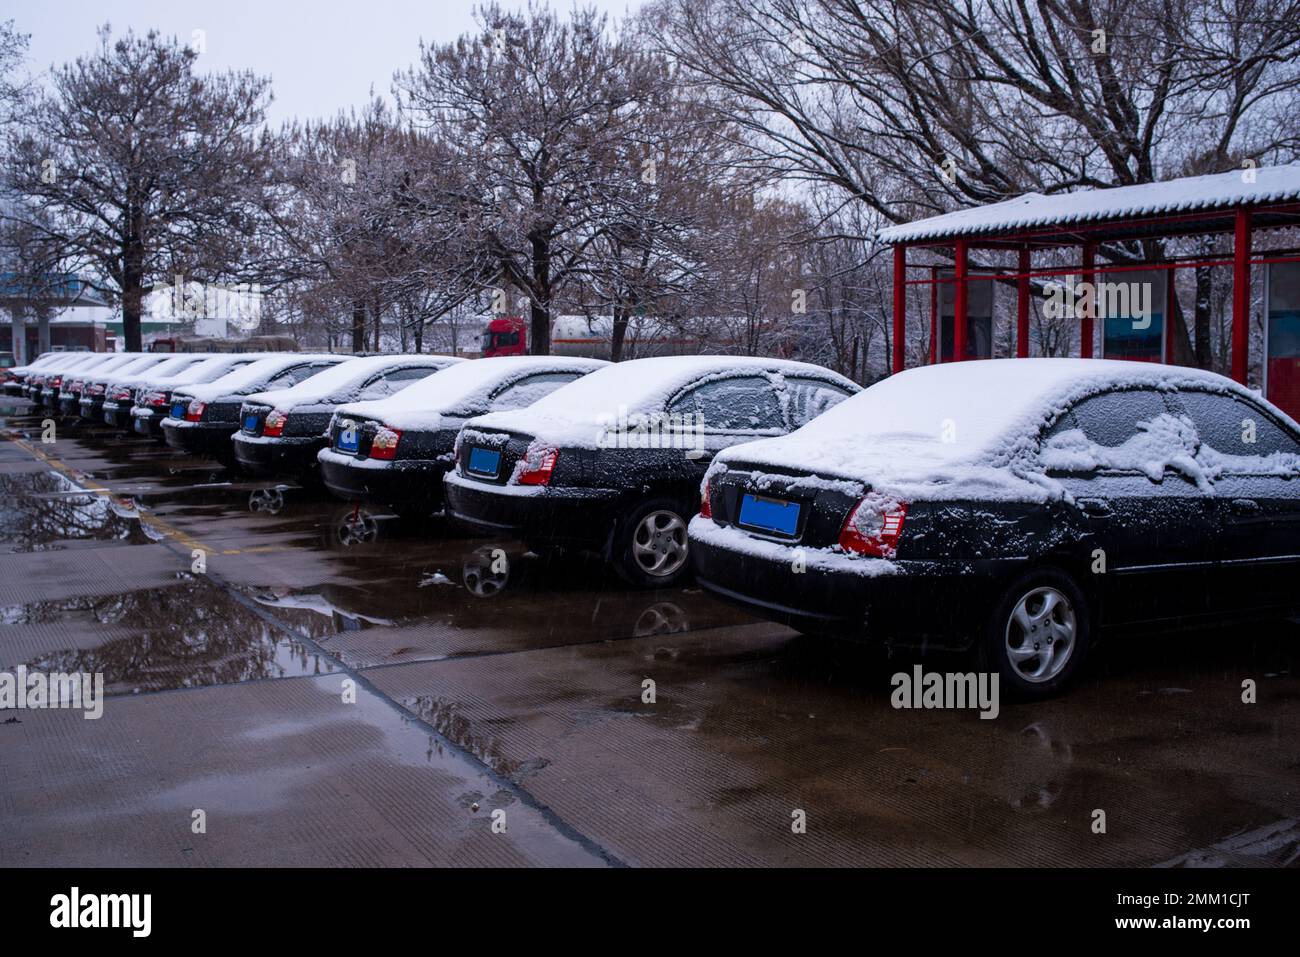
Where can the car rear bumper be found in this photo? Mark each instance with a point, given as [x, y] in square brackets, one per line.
[146, 421]
[417, 483]
[69, 404]
[13, 389]
[577, 517]
[199, 438]
[116, 415]
[276, 456]
[935, 604]
[90, 408]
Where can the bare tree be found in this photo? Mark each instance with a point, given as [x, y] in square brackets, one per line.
[141, 168]
[537, 107]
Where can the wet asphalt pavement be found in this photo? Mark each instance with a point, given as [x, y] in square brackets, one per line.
[343, 687]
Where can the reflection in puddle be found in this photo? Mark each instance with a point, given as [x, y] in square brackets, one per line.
[39, 511]
[190, 634]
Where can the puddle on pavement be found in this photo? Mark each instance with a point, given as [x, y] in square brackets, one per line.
[190, 634]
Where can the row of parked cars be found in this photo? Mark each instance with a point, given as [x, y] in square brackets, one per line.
[1011, 506]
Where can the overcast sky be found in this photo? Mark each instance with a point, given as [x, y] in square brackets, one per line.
[320, 56]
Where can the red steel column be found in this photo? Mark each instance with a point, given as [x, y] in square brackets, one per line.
[959, 305]
[1022, 305]
[900, 303]
[934, 315]
[1090, 278]
[1241, 296]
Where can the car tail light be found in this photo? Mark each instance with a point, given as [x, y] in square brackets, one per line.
[194, 411]
[274, 424]
[706, 510]
[97, 389]
[154, 398]
[384, 444]
[56, 382]
[537, 465]
[874, 527]
[121, 394]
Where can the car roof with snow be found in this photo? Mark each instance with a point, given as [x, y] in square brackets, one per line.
[253, 373]
[169, 365]
[138, 364]
[953, 422]
[640, 385]
[347, 376]
[462, 389]
[207, 369]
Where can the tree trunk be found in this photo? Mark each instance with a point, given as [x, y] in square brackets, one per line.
[132, 295]
[618, 333]
[1204, 288]
[539, 342]
[358, 326]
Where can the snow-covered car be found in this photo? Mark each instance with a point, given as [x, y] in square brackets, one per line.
[74, 383]
[48, 388]
[123, 385]
[396, 450]
[153, 394]
[281, 431]
[16, 376]
[204, 417]
[612, 463]
[87, 398]
[1015, 507]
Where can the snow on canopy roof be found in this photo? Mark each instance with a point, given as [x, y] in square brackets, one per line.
[461, 388]
[640, 385]
[960, 421]
[346, 376]
[1272, 184]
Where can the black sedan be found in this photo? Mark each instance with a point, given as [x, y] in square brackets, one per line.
[282, 430]
[97, 386]
[612, 463]
[204, 417]
[395, 451]
[74, 385]
[153, 396]
[1015, 507]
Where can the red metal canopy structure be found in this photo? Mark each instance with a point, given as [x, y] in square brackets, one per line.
[1236, 203]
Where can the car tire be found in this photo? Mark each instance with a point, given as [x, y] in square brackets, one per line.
[649, 547]
[1038, 634]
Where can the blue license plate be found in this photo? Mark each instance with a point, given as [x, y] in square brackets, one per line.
[769, 514]
[142, 426]
[250, 423]
[348, 441]
[178, 410]
[484, 462]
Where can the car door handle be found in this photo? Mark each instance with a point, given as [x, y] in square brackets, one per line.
[1245, 506]
[1095, 507]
